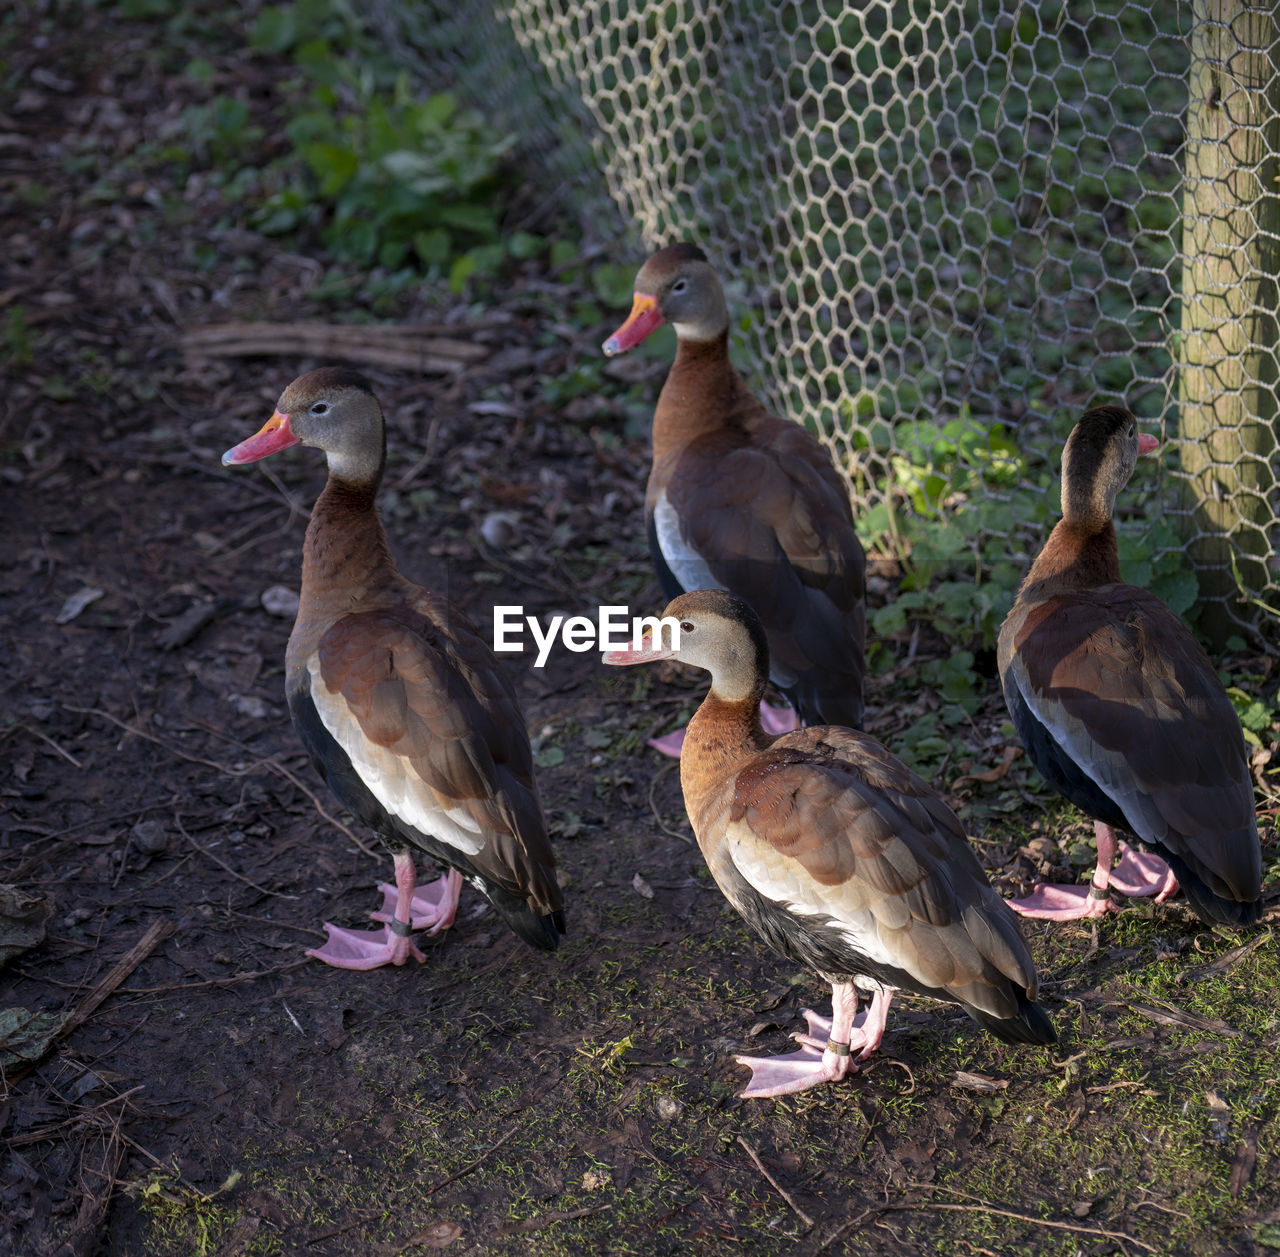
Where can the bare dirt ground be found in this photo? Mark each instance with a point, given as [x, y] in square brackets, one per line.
[179, 1079]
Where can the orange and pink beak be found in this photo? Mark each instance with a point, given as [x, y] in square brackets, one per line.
[647, 652]
[274, 435]
[645, 317]
[1147, 444]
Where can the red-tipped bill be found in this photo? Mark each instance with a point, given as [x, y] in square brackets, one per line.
[644, 318]
[649, 651]
[274, 435]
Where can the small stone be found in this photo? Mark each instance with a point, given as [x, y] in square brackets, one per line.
[280, 600]
[669, 1108]
[499, 529]
[249, 705]
[150, 836]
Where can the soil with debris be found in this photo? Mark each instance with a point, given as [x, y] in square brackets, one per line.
[179, 1079]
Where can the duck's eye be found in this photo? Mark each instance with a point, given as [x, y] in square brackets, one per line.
[320, 408]
[680, 285]
[686, 626]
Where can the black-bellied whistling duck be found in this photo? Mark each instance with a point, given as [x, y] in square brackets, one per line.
[400, 702]
[838, 856]
[739, 499]
[1121, 710]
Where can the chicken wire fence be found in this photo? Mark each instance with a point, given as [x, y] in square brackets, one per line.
[945, 227]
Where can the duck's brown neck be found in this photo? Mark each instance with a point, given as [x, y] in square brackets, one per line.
[703, 393]
[1076, 556]
[345, 558]
[720, 735]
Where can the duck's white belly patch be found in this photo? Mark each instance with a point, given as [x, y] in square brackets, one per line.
[686, 564]
[390, 777]
[784, 882]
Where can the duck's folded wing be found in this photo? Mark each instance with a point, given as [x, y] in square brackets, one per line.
[1123, 687]
[435, 732]
[781, 537]
[840, 829]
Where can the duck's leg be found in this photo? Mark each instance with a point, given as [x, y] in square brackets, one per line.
[773, 720]
[1072, 903]
[432, 907]
[822, 1059]
[391, 945]
[863, 1034]
[1142, 873]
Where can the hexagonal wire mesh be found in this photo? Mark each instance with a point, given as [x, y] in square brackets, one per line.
[946, 226]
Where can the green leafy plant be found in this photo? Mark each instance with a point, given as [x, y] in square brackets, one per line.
[387, 176]
[398, 178]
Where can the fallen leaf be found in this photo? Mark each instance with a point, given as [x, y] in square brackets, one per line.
[1227, 959]
[978, 1082]
[438, 1235]
[1245, 1159]
[641, 887]
[23, 917]
[26, 1036]
[1169, 1015]
[991, 774]
[77, 603]
[1219, 1116]
[1267, 1233]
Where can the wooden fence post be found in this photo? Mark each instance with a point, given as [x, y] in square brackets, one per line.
[1228, 372]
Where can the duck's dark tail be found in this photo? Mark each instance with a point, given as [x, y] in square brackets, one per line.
[1213, 908]
[540, 930]
[1031, 1025]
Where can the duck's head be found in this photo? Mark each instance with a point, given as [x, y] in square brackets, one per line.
[719, 633]
[1098, 461]
[677, 286]
[332, 409]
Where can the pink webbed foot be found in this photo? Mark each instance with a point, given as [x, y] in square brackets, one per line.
[796, 1071]
[1139, 874]
[669, 744]
[773, 720]
[361, 949]
[819, 1060]
[778, 719]
[1049, 902]
[432, 907]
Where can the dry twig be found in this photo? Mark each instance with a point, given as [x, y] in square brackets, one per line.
[778, 1187]
[397, 346]
[979, 1206]
[548, 1219]
[218, 860]
[159, 931]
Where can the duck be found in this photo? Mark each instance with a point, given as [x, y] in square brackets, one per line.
[1121, 710]
[837, 855]
[739, 499]
[400, 702]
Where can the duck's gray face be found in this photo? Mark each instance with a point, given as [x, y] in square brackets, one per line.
[676, 286]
